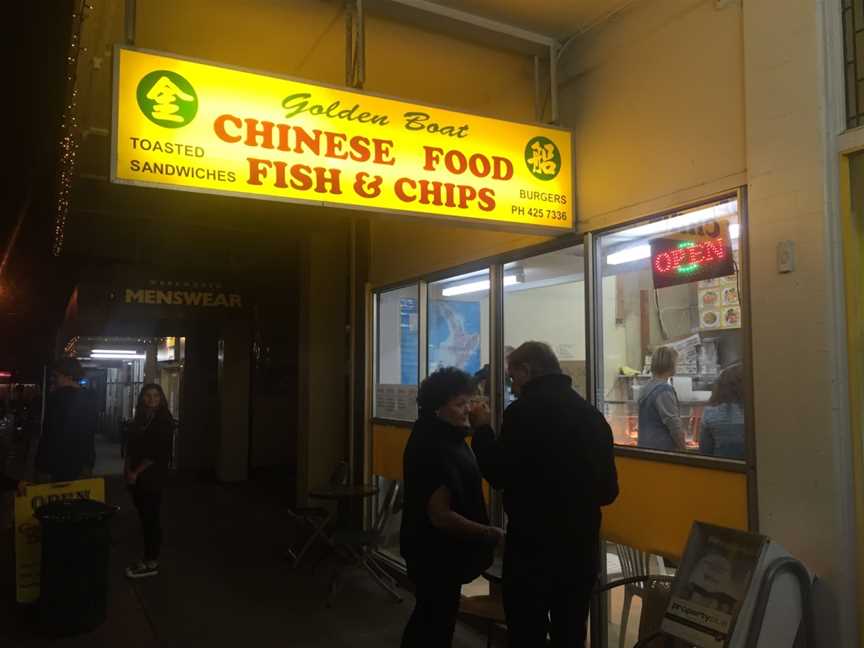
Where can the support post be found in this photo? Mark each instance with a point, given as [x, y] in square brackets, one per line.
[553, 81]
[129, 21]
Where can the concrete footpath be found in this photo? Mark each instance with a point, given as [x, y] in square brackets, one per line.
[223, 582]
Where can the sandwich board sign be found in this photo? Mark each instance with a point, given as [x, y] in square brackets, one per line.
[28, 532]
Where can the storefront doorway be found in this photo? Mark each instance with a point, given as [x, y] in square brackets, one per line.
[116, 369]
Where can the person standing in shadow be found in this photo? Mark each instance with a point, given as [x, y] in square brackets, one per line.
[445, 537]
[555, 463]
[148, 456]
[66, 447]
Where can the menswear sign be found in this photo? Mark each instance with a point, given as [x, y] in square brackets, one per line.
[181, 124]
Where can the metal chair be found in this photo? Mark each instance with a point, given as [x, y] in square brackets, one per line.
[360, 547]
[317, 518]
[653, 587]
[635, 570]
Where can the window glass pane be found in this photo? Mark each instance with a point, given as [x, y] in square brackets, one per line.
[671, 374]
[544, 300]
[851, 106]
[859, 54]
[458, 327]
[390, 534]
[397, 351]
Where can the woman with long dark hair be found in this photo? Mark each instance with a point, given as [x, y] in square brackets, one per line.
[722, 431]
[148, 453]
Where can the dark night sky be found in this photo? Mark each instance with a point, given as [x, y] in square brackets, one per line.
[35, 285]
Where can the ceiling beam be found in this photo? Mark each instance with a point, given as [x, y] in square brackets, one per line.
[461, 24]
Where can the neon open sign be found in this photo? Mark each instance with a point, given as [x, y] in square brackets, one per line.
[686, 259]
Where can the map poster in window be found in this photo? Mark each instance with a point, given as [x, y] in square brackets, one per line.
[454, 335]
[712, 584]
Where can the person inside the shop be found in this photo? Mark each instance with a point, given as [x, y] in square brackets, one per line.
[481, 377]
[554, 461]
[722, 427]
[446, 539]
[660, 425]
[148, 455]
[66, 448]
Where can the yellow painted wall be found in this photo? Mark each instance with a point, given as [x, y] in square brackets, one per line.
[655, 99]
[388, 444]
[657, 504]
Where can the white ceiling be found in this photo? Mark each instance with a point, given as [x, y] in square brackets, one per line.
[558, 18]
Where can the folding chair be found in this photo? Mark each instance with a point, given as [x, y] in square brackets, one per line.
[316, 518]
[360, 547]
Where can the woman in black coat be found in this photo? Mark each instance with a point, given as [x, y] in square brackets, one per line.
[446, 538]
[148, 453]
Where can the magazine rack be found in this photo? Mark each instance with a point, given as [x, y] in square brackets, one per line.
[755, 607]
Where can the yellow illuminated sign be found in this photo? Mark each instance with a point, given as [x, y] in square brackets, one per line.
[28, 532]
[182, 124]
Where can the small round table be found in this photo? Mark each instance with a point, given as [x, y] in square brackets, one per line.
[343, 496]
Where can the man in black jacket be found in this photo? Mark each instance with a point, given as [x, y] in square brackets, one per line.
[66, 447]
[554, 461]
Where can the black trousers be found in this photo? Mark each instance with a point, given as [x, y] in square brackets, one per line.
[434, 618]
[537, 607]
[149, 505]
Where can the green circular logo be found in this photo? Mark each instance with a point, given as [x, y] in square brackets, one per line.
[167, 99]
[542, 158]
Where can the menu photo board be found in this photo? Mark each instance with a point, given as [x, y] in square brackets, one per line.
[188, 125]
[719, 303]
[396, 402]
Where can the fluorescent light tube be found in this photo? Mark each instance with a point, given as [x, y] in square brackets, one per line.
[114, 351]
[639, 252]
[635, 253]
[714, 212]
[117, 356]
[476, 286]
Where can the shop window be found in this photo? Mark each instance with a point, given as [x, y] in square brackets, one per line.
[390, 539]
[853, 61]
[397, 353]
[458, 323]
[670, 295]
[544, 300]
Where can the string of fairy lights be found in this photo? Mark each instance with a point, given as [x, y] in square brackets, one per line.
[69, 135]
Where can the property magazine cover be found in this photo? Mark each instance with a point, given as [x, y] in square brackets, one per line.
[712, 584]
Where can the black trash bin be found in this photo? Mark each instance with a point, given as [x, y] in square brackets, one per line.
[76, 541]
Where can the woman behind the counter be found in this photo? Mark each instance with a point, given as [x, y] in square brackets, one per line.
[659, 416]
[722, 432]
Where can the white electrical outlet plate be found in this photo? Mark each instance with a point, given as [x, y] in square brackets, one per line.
[785, 256]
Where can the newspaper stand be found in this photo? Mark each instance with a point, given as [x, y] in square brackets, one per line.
[750, 612]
